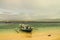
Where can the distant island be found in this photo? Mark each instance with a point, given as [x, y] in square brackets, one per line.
[29, 21]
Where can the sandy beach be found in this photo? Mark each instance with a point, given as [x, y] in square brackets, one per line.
[50, 34]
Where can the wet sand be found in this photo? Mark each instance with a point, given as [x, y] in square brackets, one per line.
[46, 34]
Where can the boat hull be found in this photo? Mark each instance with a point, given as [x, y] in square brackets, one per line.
[27, 30]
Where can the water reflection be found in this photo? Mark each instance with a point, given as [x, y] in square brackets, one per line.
[26, 35]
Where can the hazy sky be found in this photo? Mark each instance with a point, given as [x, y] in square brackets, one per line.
[29, 9]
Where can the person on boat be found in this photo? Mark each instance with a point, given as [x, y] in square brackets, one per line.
[23, 26]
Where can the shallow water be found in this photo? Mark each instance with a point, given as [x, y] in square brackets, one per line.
[37, 34]
[41, 31]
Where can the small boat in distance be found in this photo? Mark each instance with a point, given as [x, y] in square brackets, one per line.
[25, 28]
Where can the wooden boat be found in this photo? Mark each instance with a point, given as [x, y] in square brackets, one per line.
[26, 28]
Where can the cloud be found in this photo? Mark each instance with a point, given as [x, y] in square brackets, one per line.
[30, 9]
